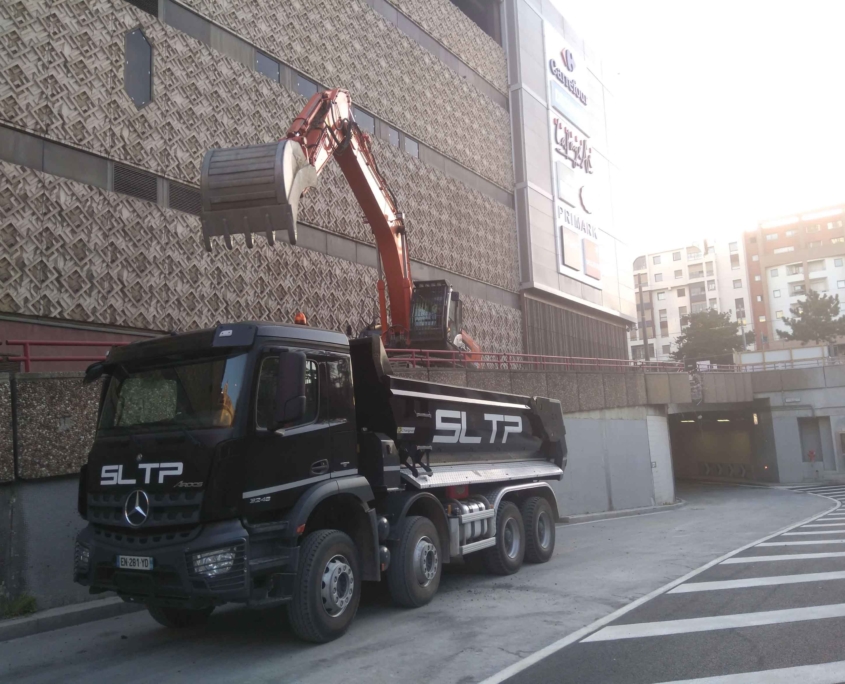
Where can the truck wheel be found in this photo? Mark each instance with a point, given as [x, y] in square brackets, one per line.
[179, 618]
[414, 574]
[539, 530]
[328, 587]
[505, 558]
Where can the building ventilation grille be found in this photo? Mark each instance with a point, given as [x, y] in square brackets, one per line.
[148, 6]
[135, 183]
[185, 198]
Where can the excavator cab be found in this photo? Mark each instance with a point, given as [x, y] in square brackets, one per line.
[436, 315]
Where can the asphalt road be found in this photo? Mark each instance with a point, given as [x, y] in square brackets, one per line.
[479, 624]
[773, 612]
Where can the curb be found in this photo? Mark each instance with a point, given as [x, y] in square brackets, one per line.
[66, 616]
[628, 512]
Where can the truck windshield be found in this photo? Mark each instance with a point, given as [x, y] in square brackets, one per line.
[192, 394]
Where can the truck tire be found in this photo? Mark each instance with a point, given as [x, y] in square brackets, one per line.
[414, 573]
[328, 587]
[539, 530]
[505, 558]
[179, 618]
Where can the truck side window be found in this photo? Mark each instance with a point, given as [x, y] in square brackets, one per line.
[341, 401]
[266, 400]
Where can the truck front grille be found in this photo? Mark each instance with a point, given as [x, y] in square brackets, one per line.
[172, 508]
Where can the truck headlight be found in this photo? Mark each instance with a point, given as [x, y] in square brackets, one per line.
[211, 563]
[81, 559]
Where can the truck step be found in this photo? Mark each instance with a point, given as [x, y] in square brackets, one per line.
[478, 515]
[477, 545]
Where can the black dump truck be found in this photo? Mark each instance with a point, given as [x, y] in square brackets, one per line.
[264, 464]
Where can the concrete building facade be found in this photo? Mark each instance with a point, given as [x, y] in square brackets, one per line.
[787, 257]
[107, 107]
[678, 282]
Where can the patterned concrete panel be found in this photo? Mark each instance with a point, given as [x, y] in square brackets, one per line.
[448, 377]
[834, 376]
[564, 388]
[455, 30]
[7, 457]
[56, 418]
[590, 391]
[721, 389]
[529, 384]
[657, 388]
[766, 381]
[802, 378]
[615, 394]
[679, 388]
[495, 381]
[345, 43]
[708, 387]
[730, 387]
[635, 389]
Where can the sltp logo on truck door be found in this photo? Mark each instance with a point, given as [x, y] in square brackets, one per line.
[113, 474]
[455, 422]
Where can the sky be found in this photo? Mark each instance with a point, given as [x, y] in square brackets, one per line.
[729, 112]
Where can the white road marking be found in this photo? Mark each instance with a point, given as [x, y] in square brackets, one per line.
[758, 582]
[783, 557]
[708, 624]
[556, 646]
[798, 534]
[825, 673]
[836, 524]
[805, 543]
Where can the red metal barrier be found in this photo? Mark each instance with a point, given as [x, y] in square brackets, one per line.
[27, 358]
[428, 358]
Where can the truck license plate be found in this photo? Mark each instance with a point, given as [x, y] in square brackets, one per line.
[135, 562]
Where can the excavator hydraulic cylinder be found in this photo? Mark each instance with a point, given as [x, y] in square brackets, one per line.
[253, 189]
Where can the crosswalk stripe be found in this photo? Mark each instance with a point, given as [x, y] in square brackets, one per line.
[690, 587]
[782, 557]
[804, 543]
[798, 534]
[835, 524]
[708, 624]
[824, 673]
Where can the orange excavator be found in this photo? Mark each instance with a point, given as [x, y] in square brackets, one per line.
[256, 189]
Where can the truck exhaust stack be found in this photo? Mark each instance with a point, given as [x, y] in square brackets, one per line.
[253, 189]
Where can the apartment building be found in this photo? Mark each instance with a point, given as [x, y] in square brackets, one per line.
[787, 257]
[671, 284]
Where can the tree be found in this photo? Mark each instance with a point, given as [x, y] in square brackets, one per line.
[815, 319]
[708, 335]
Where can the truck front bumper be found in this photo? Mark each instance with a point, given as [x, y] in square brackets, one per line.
[174, 577]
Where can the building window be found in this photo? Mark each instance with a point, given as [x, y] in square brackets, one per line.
[783, 250]
[776, 294]
[711, 249]
[755, 257]
[639, 263]
[709, 269]
[712, 303]
[365, 121]
[771, 236]
[752, 240]
[739, 305]
[696, 272]
[773, 273]
[836, 241]
[656, 260]
[699, 307]
[682, 311]
[693, 255]
[412, 147]
[762, 319]
[737, 284]
[667, 348]
[791, 233]
[734, 262]
[837, 262]
[305, 86]
[759, 298]
[392, 136]
[733, 247]
[815, 228]
[138, 68]
[778, 314]
[815, 266]
[679, 274]
[676, 256]
[267, 66]
[682, 292]
[711, 285]
[796, 289]
[485, 15]
[661, 296]
[795, 269]
[814, 243]
[658, 277]
[757, 278]
[840, 284]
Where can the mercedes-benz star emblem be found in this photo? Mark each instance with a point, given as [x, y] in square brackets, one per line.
[136, 510]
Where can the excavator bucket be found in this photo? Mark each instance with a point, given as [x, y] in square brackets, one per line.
[253, 189]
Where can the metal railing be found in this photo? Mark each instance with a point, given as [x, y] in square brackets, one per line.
[28, 359]
[430, 358]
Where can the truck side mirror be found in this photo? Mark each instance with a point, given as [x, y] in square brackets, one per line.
[290, 390]
[94, 372]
